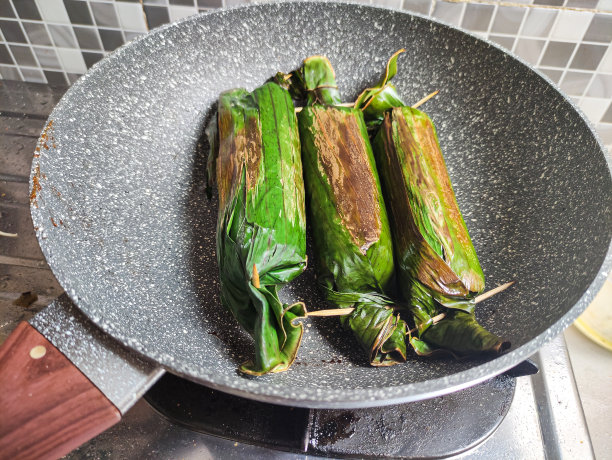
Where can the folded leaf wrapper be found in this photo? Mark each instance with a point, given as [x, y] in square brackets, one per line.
[255, 160]
[347, 213]
[437, 266]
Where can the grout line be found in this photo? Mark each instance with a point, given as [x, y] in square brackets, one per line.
[10, 51]
[530, 5]
[503, 34]
[569, 61]
[83, 26]
[519, 32]
[595, 72]
[492, 20]
[462, 16]
[23, 31]
[591, 80]
[500, 34]
[545, 47]
[61, 64]
[93, 18]
[87, 50]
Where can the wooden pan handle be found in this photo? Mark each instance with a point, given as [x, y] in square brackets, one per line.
[47, 406]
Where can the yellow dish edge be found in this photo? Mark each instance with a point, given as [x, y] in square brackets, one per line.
[592, 334]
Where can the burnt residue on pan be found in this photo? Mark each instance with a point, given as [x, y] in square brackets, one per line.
[35, 186]
[46, 140]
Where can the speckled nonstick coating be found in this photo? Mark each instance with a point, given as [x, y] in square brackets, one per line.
[134, 243]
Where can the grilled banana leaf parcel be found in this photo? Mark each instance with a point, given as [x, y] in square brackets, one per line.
[261, 226]
[437, 267]
[347, 213]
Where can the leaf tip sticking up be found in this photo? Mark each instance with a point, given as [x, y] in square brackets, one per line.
[374, 101]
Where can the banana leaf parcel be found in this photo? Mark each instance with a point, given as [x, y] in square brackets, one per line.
[347, 213]
[261, 226]
[437, 267]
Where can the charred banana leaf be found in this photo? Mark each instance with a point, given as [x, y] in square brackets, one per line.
[348, 217]
[261, 225]
[437, 267]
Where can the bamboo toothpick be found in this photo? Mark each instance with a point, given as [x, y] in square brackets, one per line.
[425, 99]
[344, 104]
[435, 319]
[352, 104]
[255, 278]
[494, 291]
[332, 312]
[348, 311]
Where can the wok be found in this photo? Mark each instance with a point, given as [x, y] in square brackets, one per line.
[119, 207]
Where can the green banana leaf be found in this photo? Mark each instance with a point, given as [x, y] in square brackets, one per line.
[375, 101]
[437, 267]
[255, 161]
[380, 332]
[347, 213]
[461, 333]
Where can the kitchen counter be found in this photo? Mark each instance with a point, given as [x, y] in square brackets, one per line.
[24, 108]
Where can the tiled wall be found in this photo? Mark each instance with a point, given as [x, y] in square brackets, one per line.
[56, 41]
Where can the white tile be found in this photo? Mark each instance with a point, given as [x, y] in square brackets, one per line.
[417, 6]
[575, 83]
[179, 12]
[604, 5]
[606, 63]
[10, 73]
[449, 12]
[389, 3]
[129, 36]
[594, 108]
[539, 22]
[601, 86]
[529, 49]
[605, 133]
[33, 75]
[131, 16]
[72, 60]
[53, 11]
[571, 25]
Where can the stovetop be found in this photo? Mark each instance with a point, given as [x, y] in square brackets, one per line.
[543, 420]
[433, 428]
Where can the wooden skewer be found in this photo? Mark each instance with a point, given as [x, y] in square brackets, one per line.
[348, 311]
[255, 278]
[425, 99]
[344, 104]
[332, 312]
[435, 319]
[494, 291]
[351, 104]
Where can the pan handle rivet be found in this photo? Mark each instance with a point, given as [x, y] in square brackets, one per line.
[38, 352]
